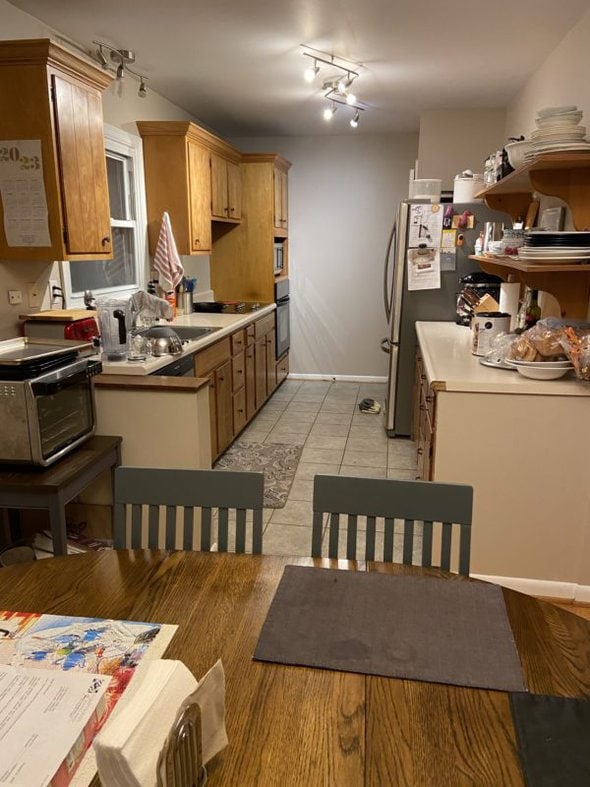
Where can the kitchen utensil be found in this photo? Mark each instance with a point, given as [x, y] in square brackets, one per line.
[493, 231]
[165, 340]
[485, 327]
[516, 152]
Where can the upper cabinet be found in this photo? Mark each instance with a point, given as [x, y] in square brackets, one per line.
[281, 200]
[191, 174]
[53, 98]
[564, 175]
[242, 260]
[226, 188]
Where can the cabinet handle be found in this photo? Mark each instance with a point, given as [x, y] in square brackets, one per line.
[420, 451]
[240, 411]
[240, 371]
[105, 240]
[222, 379]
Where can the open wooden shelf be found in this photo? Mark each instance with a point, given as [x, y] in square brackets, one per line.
[569, 284]
[560, 174]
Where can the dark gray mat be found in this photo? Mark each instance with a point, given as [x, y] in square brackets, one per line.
[423, 628]
[553, 739]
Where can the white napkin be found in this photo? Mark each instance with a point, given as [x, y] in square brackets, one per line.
[166, 259]
[129, 745]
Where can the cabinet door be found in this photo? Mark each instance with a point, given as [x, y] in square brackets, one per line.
[224, 404]
[234, 190]
[271, 363]
[250, 383]
[80, 148]
[260, 371]
[280, 199]
[219, 199]
[199, 196]
[239, 407]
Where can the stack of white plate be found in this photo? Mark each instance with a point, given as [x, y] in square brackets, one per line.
[555, 247]
[558, 128]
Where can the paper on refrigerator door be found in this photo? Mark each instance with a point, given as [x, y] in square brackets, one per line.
[425, 226]
[423, 269]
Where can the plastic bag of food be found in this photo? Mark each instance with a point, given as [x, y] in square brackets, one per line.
[500, 348]
[576, 343]
[545, 336]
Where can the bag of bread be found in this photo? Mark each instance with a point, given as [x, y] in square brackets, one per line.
[521, 349]
[576, 343]
[545, 336]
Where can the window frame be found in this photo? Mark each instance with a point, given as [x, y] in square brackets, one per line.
[126, 146]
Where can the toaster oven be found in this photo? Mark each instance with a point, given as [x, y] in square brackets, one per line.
[49, 414]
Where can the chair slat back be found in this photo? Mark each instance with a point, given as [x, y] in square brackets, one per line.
[420, 505]
[172, 496]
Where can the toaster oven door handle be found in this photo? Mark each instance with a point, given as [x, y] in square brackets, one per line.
[54, 386]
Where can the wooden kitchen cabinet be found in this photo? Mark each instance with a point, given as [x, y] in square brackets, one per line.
[214, 363]
[176, 159]
[53, 96]
[250, 373]
[281, 198]
[239, 380]
[242, 261]
[226, 188]
[564, 175]
[264, 358]
[424, 421]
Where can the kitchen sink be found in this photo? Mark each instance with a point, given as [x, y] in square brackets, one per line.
[191, 332]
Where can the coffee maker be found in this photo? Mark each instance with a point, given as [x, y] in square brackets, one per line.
[472, 288]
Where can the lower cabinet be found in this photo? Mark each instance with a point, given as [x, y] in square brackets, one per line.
[424, 421]
[243, 372]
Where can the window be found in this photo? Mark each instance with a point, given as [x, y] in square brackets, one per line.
[126, 272]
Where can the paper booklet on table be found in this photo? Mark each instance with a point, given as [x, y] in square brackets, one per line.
[74, 658]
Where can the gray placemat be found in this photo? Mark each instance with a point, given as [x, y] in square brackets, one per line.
[420, 628]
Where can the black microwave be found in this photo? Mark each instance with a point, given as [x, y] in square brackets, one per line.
[278, 258]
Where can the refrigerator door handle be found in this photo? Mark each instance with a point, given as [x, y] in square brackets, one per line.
[387, 290]
[385, 345]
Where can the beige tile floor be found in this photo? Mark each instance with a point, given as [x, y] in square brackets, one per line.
[337, 438]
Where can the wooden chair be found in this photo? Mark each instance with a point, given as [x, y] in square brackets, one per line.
[428, 502]
[188, 490]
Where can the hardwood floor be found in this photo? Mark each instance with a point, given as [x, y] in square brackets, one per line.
[583, 610]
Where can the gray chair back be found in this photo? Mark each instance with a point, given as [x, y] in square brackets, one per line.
[184, 492]
[426, 502]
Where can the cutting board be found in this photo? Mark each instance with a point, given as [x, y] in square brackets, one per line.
[60, 315]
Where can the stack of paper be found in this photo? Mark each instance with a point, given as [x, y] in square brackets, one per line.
[128, 747]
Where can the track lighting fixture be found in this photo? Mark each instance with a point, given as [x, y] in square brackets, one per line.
[122, 58]
[336, 88]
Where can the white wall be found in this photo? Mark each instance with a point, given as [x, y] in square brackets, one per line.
[453, 140]
[561, 79]
[343, 191]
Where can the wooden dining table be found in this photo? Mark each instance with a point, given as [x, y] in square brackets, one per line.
[302, 726]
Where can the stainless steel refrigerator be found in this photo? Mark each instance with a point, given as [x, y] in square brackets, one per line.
[404, 307]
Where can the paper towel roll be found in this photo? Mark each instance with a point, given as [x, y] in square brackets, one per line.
[509, 292]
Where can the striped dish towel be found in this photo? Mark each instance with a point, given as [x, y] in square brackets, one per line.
[166, 259]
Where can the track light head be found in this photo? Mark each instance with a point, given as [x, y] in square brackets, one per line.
[142, 92]
[120, 71]
[330, 111]
[101, 58]
[354, 121]
[311, 72]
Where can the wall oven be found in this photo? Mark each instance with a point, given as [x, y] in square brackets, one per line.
[282, 339]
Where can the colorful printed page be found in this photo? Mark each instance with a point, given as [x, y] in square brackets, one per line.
[95, 646]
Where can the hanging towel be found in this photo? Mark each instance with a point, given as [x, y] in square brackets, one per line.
[166, 259]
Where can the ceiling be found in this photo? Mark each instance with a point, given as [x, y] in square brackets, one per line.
[237, 65]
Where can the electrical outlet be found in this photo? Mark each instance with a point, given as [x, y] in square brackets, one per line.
[35, 295]
[15, 297]
[54, 291]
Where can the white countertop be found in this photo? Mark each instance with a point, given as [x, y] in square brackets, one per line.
[226, 323]
[446, 351]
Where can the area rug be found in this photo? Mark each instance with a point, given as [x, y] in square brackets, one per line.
[277, 461]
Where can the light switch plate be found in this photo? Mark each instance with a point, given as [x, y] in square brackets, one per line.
[15, 297]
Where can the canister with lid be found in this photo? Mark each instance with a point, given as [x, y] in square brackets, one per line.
[485, 326]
